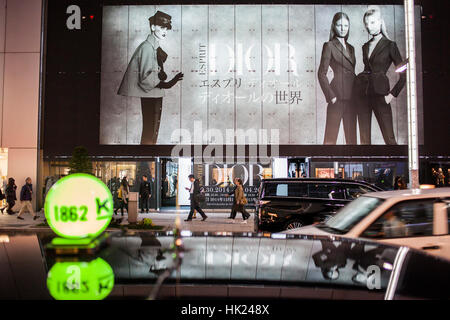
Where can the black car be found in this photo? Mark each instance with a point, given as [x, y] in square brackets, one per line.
[217, 266]
[287, 203]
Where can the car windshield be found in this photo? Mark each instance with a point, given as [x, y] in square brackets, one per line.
[351, 214]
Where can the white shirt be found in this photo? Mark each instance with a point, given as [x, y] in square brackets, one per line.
[192, 188]
[342, 41]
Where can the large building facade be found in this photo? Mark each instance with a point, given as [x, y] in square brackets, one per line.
[255, 75]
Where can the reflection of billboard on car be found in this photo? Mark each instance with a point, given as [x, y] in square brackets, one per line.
[319, 74]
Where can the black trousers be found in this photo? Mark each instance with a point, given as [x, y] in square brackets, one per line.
[383, 113]
[233, 211]
[123, 205]
[195, 206]
[151, 117]
[240, 208]
[11, 204]
[341, 110]
[144, 202]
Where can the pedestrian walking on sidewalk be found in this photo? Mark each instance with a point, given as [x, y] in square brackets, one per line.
[26, 195]
[241, 201]
[233, 208]
[2, 197]
[10, 195]
[145, 192]
[194, 194]
[123, 195]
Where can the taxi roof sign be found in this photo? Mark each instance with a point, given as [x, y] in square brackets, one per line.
[79, 206]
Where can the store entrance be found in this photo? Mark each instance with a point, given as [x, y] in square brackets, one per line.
[169, 183]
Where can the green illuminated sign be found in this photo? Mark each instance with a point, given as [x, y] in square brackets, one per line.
[79, 206]
[80, 280]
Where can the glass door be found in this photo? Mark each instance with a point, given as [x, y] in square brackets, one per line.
[169, 183]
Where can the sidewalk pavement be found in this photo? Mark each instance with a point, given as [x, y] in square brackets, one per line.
[216, 222]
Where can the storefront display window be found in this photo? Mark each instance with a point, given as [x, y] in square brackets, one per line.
[328, 173]
[111, 173]
[3, 172]
[381, 174]
[440, 174]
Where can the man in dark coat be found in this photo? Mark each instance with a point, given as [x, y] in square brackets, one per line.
[11, 195]
[26, 195]
[145, 191]
[194, 192]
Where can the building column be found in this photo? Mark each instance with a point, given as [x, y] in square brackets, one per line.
[20, 60]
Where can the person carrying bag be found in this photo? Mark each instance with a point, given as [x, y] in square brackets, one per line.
[123, 196]
[241, 201]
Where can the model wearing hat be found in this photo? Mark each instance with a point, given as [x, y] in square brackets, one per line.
[145, 76]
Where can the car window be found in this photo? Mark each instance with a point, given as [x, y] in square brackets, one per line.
[405, 219]
[285, 190]
[282, 190]
[326, 191]
[297, 190]
[350, 215]
[354, 191]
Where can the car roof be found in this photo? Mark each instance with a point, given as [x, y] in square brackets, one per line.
[425, 193]
[312, 179]
[332, 180]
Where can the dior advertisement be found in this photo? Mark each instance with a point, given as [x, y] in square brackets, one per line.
[258, 74]
[218, 181]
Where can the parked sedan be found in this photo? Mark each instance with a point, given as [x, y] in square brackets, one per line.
[414, 218]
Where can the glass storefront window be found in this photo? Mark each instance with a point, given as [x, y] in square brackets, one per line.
[440, 174]
[327, 173]
[110, 172]
[381, 174]
[3, 173]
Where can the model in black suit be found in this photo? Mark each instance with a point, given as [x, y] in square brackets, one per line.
[194, 194]
[373, 91]
[340, 56]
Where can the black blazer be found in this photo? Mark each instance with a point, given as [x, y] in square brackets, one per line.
[342, 61]
[11, 193]
[374, 80]
[145, 189]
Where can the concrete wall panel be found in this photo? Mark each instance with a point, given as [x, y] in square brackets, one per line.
[23, 25]
[20, 100]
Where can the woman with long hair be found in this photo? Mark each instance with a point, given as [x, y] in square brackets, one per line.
[338, 54]
[372, 86]
[123, 195]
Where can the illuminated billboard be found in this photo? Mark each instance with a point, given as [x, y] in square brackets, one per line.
[255, 74]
